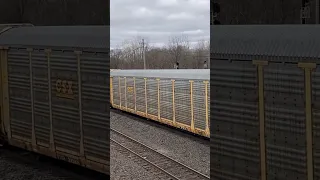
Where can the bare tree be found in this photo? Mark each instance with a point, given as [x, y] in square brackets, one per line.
[178, 47]
[129, 55]
[132, 51]
[200, 54]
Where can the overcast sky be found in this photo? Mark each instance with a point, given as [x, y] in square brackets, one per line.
[157, 20]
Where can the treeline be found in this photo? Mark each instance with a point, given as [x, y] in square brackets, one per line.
[55, 12]
[178, 49]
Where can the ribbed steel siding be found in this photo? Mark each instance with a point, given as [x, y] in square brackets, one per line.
[91, 38]
[95, 105]
[316, 121]
[115, 88]
[19, 94]
[199, 107]
[182, 102]
[41, 97]
[130, 93]
[140, 95]
[235, 125]
[166, 109]
[285, 121]
[209, 107]
[65, 112]
[123, 91]
[152, 96]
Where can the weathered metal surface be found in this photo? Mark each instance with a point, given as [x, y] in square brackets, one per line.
[19, 93]
[152, 96]
[58, 103]
[95, 106]
[199, 100]
[285, 121]
[316, 121]
[182, 102]
[166, 105]
[58, 37]
[234, 121]
[284, 100]
[41, 107]
[268, 42]
[64, 101]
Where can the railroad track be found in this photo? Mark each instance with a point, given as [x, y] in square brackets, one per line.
[43, 167]
[163, 166]
[179, 131]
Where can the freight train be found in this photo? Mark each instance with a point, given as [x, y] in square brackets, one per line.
[265, 89]
[178, 98]
[54, 97]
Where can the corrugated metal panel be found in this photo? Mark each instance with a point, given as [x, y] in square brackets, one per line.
[316, 121]
[183, 102]
[95, 105]
[130, 93]
[41, 97]
[140, 90]
[285, 121]
[65, 111]
[152, 96]
[199, 108]
[62, 37]
[20, 95]
[209, 107]
[290, 115]
[269, 42]
[74, 94]
[123, 91]
[235, 125]
[166, 109]
[115, 90]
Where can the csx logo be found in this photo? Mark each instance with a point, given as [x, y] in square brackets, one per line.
[130, 89]
[64, 88]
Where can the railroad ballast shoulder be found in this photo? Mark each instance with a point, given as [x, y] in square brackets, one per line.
[179, 98]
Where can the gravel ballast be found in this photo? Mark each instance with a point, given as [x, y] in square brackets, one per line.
[123, 167]
[12, 169]
[191, 151]
[18, 164]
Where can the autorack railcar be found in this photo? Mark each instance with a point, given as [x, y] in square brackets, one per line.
[265, 91]
[179, 98]
[54, 92]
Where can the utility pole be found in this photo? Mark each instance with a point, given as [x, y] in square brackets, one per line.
[143, 54]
